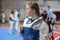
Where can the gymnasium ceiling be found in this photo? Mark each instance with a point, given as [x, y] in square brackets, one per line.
[37, 0]
[33, 0]
[51, 0]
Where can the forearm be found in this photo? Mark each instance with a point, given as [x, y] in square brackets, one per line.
[12, 19]
[36, 27]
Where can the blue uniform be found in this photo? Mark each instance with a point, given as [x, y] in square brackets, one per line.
[28, 32]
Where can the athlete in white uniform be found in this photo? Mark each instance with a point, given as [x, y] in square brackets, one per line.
[12, 22]
[17, 17]
[3, 17]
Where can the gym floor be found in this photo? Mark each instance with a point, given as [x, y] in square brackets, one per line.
[5, 36]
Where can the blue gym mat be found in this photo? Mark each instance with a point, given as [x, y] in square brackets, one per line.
[5, 36]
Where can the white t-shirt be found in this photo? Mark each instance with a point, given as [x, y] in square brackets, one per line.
[49, 13]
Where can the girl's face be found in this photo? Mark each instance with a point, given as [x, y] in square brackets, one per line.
[29, 11]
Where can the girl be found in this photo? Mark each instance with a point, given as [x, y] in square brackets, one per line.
[32, 32]
[32, 11]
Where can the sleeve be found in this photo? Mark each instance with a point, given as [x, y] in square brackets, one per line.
[11, 18]
[44, 32]
[44, 29]
[36, 27]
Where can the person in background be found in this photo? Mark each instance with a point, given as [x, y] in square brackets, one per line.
[49, 14]
[17, 19]
[3, 17]
[11, 22]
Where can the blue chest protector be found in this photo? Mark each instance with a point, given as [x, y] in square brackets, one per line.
[29, 33]
[18, 15]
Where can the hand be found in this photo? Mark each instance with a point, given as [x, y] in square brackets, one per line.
[46, 20]
[21, 29]
[35, 27]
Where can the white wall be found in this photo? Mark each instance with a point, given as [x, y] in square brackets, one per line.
[8, 4]
[55, 5]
